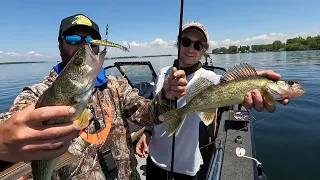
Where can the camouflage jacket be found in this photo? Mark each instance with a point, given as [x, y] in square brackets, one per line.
[125, 103]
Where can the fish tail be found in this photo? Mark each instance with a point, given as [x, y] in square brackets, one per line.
[173, 118]
[43, 169]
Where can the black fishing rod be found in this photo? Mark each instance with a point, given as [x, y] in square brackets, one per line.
[176, 99]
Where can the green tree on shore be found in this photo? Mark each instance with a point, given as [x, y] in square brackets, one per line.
[293, 44]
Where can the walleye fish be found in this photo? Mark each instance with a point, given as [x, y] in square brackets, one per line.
[204, 97]
[108, 43]
[73, 87]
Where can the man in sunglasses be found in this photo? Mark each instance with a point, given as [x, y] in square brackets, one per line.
[24, 138]
[187, 158]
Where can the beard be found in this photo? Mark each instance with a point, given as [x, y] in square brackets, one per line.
[64, 54]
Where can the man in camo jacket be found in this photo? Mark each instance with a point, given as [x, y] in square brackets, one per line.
[23, 138]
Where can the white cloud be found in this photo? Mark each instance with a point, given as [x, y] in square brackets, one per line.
[30, 53]
[17, 56]
[158, 42]
[38, 55]
[134, 44]
[33, 54]
[158, 46]
[12, 54]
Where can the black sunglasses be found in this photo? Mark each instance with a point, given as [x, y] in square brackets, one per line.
[197, 45]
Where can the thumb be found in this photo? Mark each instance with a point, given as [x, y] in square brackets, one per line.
[174, 69]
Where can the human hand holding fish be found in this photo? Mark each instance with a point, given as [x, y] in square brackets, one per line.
[254, 98]
[24, 138]
[175, 84]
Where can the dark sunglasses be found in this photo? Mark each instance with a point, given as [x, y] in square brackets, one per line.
[197, 45]
[76, 39]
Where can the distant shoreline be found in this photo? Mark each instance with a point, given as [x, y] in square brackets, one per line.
[25, 62]
[294, 44]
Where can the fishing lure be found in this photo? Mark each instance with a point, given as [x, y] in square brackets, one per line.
[108, 43]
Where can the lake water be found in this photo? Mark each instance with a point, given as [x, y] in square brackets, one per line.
[287, 143]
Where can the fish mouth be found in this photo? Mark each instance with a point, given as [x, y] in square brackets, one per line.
[90, 69]
[89, 49]
[94, 61]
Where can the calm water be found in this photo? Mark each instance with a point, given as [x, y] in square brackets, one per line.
[287, 143]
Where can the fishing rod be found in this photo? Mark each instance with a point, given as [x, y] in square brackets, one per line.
[107, 29]
[176, 99]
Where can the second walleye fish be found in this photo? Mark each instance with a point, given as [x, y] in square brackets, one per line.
[204, 97]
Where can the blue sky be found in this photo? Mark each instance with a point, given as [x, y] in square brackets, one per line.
[32, 26]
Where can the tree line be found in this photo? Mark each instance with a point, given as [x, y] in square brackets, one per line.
[293, 44]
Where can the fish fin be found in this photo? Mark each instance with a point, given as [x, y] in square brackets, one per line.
[208, 116]
[83, 120]
[200, 84]
[173, 118]
[239, 71]
[274, 94]
[267, 97]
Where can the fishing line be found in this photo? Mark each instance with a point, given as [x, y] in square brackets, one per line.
[176, 99]
[107, 33]
[253, 123]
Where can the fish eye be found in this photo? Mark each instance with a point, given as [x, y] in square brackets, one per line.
[290, 83]
[78, 61]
